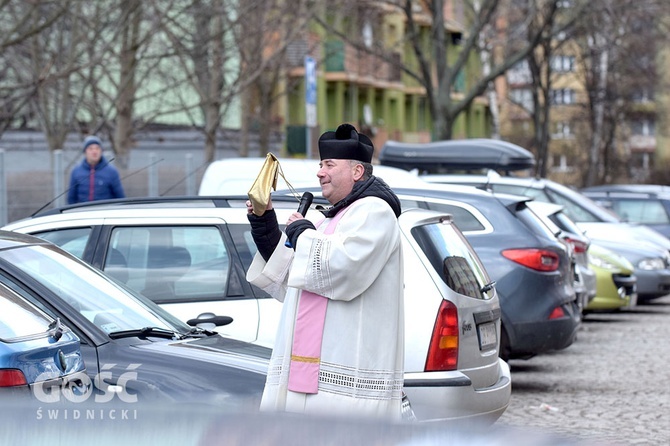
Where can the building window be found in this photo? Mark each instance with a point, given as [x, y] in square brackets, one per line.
[561, 130]
[367, 34]
[559, 163]
[644, 94]
[643, 127]
[522, 97]
[519, 74]
[563, 64]
[641, 160]
[562, 96]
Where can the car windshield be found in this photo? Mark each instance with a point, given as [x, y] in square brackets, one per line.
[648, 211]
[452, 258]
[578, 207]
[98, 298]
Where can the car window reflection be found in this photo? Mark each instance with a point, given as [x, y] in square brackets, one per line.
[72, 240]
[89, 293]
[449, 255]
[170, 263]
[460, 277]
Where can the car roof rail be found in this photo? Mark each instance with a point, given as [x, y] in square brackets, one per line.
[619, 194]
[214, 201]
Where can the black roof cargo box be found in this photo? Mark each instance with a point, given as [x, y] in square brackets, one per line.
[462, 154]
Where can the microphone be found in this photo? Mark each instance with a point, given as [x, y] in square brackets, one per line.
[305, 203]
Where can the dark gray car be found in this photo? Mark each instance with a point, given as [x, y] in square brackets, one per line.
[134, 351]
[531, 268]
[646, 204]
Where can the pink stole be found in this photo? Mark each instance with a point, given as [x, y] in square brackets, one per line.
[308, 334]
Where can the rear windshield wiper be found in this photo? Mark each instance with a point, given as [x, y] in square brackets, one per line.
[146, 332]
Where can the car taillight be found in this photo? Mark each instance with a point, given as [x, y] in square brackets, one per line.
[12, 378]
[578, 245]
[537, 259]
[443, 350]
[557, 313]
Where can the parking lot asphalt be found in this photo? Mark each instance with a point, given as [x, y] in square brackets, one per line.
[609, 388]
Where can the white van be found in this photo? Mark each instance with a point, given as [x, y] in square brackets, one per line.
[234, 176]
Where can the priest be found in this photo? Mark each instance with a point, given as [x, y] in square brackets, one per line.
[339, 348]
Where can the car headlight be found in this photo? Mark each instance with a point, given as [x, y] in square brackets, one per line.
[651, 264]
[599, 262]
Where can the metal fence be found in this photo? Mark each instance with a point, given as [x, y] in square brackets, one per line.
[27, 191]
[162, 163]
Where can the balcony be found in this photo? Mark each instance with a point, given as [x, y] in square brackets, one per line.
[642, 143]
[359, 65]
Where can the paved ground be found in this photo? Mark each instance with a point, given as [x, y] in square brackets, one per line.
[609, 388]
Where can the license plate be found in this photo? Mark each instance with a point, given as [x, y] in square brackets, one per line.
[487, 336]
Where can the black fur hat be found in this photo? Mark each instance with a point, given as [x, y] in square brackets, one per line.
[346, 143]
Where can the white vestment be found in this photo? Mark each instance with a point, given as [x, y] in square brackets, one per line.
[359, 268]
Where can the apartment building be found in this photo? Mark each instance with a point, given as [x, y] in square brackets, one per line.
[634, 116]
[372, 92]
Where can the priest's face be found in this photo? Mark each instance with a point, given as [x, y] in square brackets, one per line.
[337, 178]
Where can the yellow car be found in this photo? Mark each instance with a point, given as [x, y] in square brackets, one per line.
[616, 285]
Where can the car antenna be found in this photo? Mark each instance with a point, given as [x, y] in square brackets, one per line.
[68, 189]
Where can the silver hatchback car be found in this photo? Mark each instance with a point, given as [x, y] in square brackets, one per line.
[190, 255]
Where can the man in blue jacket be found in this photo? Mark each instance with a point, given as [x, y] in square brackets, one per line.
[94, 178]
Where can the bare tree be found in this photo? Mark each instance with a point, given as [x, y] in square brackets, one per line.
[53, 62]
[224, 48]
[620, 44]
[131, 19]
[56, 56]
[83, 69]
[122, 57]
[274, 39]
[200, 35]
[20, 22]
[437, 67]
[558, 28]
[597, 42]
